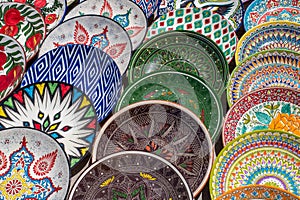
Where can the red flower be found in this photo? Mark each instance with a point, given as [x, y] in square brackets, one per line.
[10, 30]
[12, 17]
[14, 74]
[3, 83]
[40, 3]
[33, 41]
[3, 58]
[1, 48]
[20, 1]
[49, 19]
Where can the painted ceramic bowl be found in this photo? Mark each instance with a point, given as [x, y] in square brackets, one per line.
[12, 64]
[182, 88]
[273, 68]
[149, 7]
[53, 11]
[58, 109]
[103, 33]
[163, 128]
[258, 158]
[85, 67]
[258, 192]
[33, 166]
[128, 14]
[261, 11]
[131, 175]
[25, 24]
[270, 108]
[183, 51]
[206, 22]
[268, 36]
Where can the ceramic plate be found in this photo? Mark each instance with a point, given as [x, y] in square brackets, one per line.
[53, 11]
[85, 67]
[102, 33]
[33, 166]
[206, 22]
[268, 36]
[163, 128]
[129, 15]
[265, 69]
[23, 23]
[258, 158]
[181, 88]
[60, 110]
[261, 11]
[131, 175]
[258, 192]
[12, 64]
[184, 51]
[149, 7]
[270, 108]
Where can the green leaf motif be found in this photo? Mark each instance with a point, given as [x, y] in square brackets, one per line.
[263, 117]
[286, 109]
[244, 129]
[256, 128]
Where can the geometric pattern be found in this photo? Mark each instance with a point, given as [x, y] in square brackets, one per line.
[268, 157]
[257, 111]
[149, 7]
[58, 109]
[273, 68]
[32, 166]
[261, 11]
[129, 15]
[163, 129]
[267, 36]
[85, 67]
[132, 175]
[206, 22]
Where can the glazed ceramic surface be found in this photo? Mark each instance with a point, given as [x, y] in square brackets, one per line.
[181, 88]
[206, 22]
[60, 110]
[162, 128]
[149, 7]
[270, 108]
[271, 68]
[259, 158]
[12, 64]
[258, 192]
[33, 166]
[85, 67]
[183, 51]
[53, 11]
[131, 175]
[126, 13]
[268, 36]
[25, 24]
[261, 11]
[92, 30]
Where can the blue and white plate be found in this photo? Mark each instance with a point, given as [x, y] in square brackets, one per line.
[85, 67]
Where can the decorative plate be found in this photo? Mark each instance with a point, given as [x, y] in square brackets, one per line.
[182, 88]
[131, 175]
[23, 23]
[206, 22]
[270, 108]
[60, 110]
[53, 11]
[149, 7]
[33, 166]
[85, 67]
[258, 158]
[12, 64]
[268, 36]
[270, 68]
[103, 33]
[261, 11]
[258, 192]
[230, 9]
[129, 15]
[184, 51]
[163, 128]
